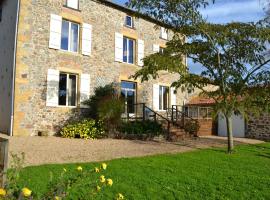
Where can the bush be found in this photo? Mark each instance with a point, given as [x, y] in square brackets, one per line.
[110, 112]
[101, 94]
[86, 129]
[192, 127]
[140, 128]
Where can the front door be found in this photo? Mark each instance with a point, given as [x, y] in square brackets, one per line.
[128, 92]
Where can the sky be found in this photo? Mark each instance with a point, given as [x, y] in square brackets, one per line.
[225, 11]
[230, 10]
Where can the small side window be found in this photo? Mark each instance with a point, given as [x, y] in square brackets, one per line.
[129, 21]
[73, 4]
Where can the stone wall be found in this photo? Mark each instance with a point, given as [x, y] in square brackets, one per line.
[259, 127]
[7, 43]
[34, 58]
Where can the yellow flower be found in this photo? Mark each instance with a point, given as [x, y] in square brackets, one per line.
[64, 169]
[57, 198]
[3, 192]
[102, 179]
[26, 192]
[79, 168]
[104, 166]
[120, 196]
[98, 188]
[97, 170]
[109, 182]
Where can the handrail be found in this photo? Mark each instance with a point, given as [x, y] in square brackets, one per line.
[182, 113]
[158, 114]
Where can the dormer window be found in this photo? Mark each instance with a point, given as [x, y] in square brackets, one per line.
[129, 21]
[73, 4]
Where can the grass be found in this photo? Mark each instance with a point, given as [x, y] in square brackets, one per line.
[203, 174]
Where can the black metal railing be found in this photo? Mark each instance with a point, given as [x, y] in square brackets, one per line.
[176, 116]
[141, 112]
[179, 117]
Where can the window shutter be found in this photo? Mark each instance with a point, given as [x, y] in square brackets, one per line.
[86, 39]
[85, 89]
[164, 33]
[156, 97]
[119, 47]
[55, 31]
[73, 4]
[173, 97]
[140, 52]
[156, 48]
[52, 88]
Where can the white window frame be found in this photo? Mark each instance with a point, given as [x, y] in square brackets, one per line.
[162, 99]
[134, 50]
[69, 37]
[78, 4]
[76, 99]
[132, 21]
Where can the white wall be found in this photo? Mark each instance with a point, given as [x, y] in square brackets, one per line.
[7, 41]
[238, 126]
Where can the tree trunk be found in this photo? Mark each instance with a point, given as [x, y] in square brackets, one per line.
[229, 134]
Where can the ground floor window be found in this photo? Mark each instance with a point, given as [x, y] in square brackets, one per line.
[129, 92]
[163, 97]
[67, 89]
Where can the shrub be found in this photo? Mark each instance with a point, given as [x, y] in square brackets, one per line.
[86, 129]
[140, 128]
[110, 112]
[192, 127]
[100, 95]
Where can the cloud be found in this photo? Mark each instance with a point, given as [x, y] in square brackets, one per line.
[234, 10]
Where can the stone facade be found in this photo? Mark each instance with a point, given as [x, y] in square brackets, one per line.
[34, 58]
[259, 127]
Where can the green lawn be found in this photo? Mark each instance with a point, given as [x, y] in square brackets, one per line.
[203, 174]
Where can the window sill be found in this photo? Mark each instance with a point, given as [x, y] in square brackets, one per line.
[70, 52]
[163, 38]
[67, 107]
[130, 27]
[78, 10]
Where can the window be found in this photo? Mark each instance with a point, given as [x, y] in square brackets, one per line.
[70, 36]
[129, 21]
[72, 4]
[164, 33]
[67, 89]
[128, 92]
[128, 50]
[161, 50]
[163, 97]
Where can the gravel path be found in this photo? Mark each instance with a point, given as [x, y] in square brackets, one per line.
[46, 150]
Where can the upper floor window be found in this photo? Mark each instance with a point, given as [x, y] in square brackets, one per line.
[129, 21]
[73, 4]
[164, 97]
[70, 36]
[128, 50]
[164, 33]
[67, 89]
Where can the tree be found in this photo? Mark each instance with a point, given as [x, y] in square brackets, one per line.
[232, 57]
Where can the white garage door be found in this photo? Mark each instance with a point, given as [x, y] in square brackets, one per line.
[238, 126]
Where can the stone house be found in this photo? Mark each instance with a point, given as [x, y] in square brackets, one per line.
[54, 53]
